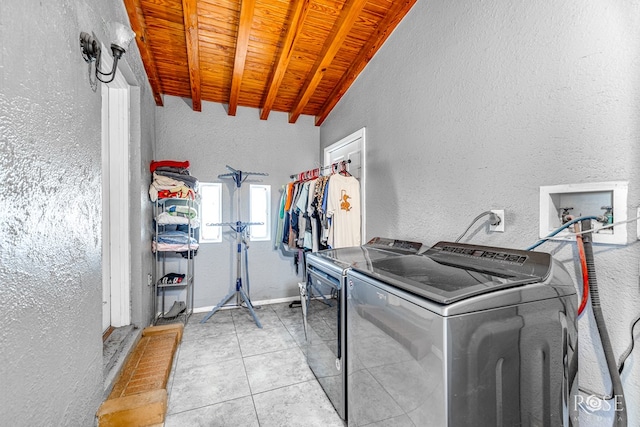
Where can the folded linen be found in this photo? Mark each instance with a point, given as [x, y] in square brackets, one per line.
[175, 247]
[187, 180]
[165, 218]
[171, 163]
[181, 171]
[175, 237]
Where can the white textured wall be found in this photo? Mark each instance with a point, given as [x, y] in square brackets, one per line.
[50, 222]
[474, 105]
[212, 139]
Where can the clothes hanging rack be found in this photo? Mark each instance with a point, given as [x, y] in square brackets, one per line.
[240, 229]
[337, 167]
[315, 173]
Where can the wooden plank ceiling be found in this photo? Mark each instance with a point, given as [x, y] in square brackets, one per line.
[297, 56]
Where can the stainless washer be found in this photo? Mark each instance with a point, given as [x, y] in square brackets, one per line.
[461, 335]
[325, 309]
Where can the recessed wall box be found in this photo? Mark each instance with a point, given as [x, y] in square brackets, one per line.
[585, 200]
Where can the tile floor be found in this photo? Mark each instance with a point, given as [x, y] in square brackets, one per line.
[228, 372]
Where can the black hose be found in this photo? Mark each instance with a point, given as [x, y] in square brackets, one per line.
[620, 411]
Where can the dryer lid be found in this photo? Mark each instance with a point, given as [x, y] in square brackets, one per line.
[450, 272]
[375, 249]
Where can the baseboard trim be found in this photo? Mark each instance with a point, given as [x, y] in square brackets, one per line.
[255, 303]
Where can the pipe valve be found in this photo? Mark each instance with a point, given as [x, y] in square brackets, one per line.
[565, 216]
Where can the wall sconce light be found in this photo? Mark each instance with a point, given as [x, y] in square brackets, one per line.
[91, 50]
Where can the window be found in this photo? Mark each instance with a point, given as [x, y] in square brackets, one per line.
[260, 205]
[211, 212]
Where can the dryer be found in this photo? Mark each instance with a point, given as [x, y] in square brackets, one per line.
[461, 335]
[325, 309]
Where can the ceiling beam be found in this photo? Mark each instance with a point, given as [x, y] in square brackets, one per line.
[136, 19]
[242, 42]
[341, 29]
[382, 32]
[190, 15]
[300, 10]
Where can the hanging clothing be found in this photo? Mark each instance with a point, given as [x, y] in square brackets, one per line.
[293, 213]
[319, 212]
[280, 219]
[301, 208]
[290, 187]
[309, 239]
[343, 210]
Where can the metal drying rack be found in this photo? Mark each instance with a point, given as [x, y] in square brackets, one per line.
[240, 228]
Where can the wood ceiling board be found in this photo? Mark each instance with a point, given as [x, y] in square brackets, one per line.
[215, 87]
[176, 91]
[179, 82]
[256, 73]
[213, 68]
[218, 16]
[311, 109]
[217, 44]
[164, 17]
[270, 14]
[218, 74]
[175, 87]
[328, 7]
[183, 51]
[292, 83]
[172, 63]
[171, 57]
[311, 40]
[214, 96]
[219, 6]
[215, 64]
[220, 66]
[223, 4]
[222, 23]
[248, 101]
[262, 49]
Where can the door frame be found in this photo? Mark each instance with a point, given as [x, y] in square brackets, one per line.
[360, 134]
[116, 259]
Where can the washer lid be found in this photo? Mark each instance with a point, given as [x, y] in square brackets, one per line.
[450, 272]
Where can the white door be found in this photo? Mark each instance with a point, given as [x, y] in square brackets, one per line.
[351, 148]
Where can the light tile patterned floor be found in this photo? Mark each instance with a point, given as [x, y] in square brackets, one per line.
[228, 372]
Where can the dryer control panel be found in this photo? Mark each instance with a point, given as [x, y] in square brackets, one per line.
[403, 245]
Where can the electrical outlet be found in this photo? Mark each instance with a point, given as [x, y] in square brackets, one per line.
[149, 280]
[499, 226]
[638, 223]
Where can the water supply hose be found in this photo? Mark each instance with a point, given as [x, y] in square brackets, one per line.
[620, 410]
[556, 231]
[585, 272]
